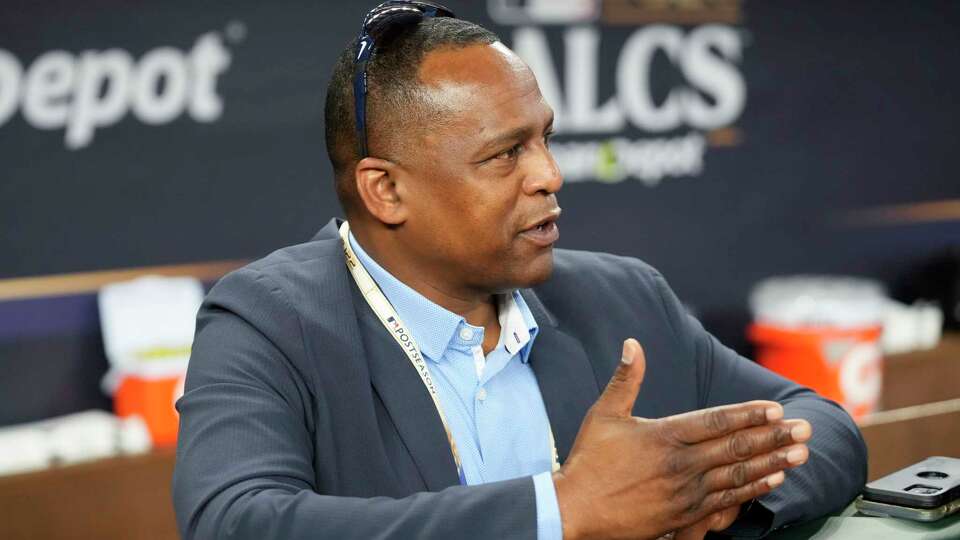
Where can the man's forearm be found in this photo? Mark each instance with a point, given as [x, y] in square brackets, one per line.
[265, 508]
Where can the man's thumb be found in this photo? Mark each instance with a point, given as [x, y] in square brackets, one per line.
[621, 392]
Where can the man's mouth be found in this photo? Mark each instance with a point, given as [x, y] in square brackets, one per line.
[544, 232]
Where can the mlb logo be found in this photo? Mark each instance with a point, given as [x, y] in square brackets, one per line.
[516, 12]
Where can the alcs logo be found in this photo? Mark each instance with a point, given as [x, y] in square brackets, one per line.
[702, 41]
[94, 89]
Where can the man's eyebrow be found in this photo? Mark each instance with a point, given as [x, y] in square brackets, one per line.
[512, 135]
[504, 138]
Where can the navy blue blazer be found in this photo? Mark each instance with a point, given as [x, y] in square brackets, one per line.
[302, 419]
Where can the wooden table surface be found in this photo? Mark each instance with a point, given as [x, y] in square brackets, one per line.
[123, 497]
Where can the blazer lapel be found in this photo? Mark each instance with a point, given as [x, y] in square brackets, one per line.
[564, 374]
[407, 401]
[399, 386]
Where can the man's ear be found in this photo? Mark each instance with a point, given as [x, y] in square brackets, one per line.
[377, 186]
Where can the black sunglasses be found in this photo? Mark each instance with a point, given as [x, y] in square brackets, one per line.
[390, 14]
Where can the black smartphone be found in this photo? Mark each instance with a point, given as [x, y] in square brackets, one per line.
[925, 491]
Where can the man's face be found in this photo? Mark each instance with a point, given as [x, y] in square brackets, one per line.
[482, 182]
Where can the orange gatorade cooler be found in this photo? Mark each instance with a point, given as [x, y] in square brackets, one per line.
[824, 333]
[152, 395]
[148, 325]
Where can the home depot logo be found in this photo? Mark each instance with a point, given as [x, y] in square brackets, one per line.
[699, 38]
[518, 12]
[81, 93]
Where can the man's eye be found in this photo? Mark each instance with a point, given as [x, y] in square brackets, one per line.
[512, 153]
[547, 137]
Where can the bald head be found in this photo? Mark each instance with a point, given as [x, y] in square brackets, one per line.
[466, 88]
[447, 73]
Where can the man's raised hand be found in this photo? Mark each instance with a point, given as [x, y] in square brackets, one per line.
[630, 477]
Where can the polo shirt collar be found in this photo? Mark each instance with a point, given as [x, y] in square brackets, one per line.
[517, 325]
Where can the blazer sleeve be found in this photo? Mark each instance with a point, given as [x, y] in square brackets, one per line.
[837, 467]
[245, 453]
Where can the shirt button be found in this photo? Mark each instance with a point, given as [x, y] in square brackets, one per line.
[482, 394]
[466, 334]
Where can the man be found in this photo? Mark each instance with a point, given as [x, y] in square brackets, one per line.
[435, 369]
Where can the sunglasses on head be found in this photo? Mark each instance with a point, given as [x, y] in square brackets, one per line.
[388, 15]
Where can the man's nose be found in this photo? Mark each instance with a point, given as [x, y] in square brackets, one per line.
[543, 174]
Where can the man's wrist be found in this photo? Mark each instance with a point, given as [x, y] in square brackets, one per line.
[569, 514]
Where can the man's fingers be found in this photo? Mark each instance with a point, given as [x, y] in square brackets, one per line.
[724, 519]
[705, 424]
[621, 392]
[744, 472]
[750, 442]
[714, 522]
[719, 509]
[726, 498]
